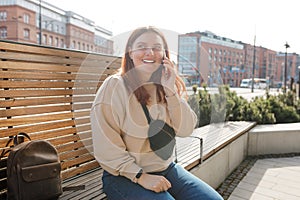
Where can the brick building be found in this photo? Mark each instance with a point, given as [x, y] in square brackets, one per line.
[20, 21]
[207, 58]
[204, 57]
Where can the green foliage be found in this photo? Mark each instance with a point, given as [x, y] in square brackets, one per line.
[224, 105]
[194, 88]
[204, 107]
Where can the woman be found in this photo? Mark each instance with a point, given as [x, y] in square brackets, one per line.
[132, 169]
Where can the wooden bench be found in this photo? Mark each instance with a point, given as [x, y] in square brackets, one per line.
[48, 92]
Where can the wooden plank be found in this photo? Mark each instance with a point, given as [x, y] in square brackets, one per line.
[17, 102]
[237, 128]
[79, 169]
[99, 67]
[70, 141]
[36, 128]
[31, 48]
[35, 110]
[23, 75]
[45, 93]
[14, 84]
[58, 137]
[7, 46]
[90, 180]
[34, 119]
[44, 109]
[66, 137]
[39, 58]
[76, 161]
[77, 152]
[63, 147]
[109, 62]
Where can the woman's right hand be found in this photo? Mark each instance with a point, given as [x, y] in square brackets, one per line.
[155, 183]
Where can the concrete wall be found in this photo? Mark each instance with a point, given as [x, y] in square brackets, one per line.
[262, 139]
[274, 139]
[215, 169]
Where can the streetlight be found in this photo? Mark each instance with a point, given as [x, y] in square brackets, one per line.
[298, 82]
[40, 22]
[253, 66]
[285, 66]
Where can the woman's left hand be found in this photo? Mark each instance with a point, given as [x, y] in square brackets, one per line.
[168, 77]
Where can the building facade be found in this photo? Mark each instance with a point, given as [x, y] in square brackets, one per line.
[204, 57]
[38, 22]
[292, 71]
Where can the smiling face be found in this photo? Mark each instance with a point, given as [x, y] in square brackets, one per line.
[147, 51]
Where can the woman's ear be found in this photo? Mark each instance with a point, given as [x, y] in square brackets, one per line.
[130, 53]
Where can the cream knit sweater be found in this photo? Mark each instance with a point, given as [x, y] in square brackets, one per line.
[119, 128]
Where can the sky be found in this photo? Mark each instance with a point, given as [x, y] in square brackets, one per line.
[271, 22]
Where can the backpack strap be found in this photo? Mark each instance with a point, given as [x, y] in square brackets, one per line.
[17, 139]
[4, 152]
[146, 111]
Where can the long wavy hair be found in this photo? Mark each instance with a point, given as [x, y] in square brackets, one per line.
[131, 79]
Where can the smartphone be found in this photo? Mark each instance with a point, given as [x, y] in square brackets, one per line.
[156, 75]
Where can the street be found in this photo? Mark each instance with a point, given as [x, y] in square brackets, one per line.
[244, 92]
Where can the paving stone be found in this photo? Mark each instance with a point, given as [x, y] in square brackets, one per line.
[229, 185]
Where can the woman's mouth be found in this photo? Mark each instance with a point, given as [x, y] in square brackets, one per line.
[148, 61]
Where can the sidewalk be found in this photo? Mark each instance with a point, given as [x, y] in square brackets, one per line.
[270, 177]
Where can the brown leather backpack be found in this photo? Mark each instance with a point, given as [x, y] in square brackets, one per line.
[33, 170]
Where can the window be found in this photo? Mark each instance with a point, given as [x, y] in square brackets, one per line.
[37, 38]
[44, 39]
[26, 18]
[49, 26]
[26, 33]
[44, 23]
[3, 32]
[74, 45]
[3, 15]
[57, 28]
[62, 44]
[56, 42]
[50, 40]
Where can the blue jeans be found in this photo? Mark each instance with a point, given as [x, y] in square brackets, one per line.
[185, 186]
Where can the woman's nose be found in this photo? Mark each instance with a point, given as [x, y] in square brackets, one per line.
[149, 50]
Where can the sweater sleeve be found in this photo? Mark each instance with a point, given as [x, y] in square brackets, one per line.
[182, 117]
[106, 116]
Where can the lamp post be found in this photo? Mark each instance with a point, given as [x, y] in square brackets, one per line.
[40, 22]
[253, 66]
[298, 82]
[285, 66]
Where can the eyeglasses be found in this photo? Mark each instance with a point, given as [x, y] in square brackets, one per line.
[143, 48]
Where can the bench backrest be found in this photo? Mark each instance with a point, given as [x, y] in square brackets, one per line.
[47, 93]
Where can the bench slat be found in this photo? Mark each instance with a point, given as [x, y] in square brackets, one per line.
[101, 66]
[33, 101]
